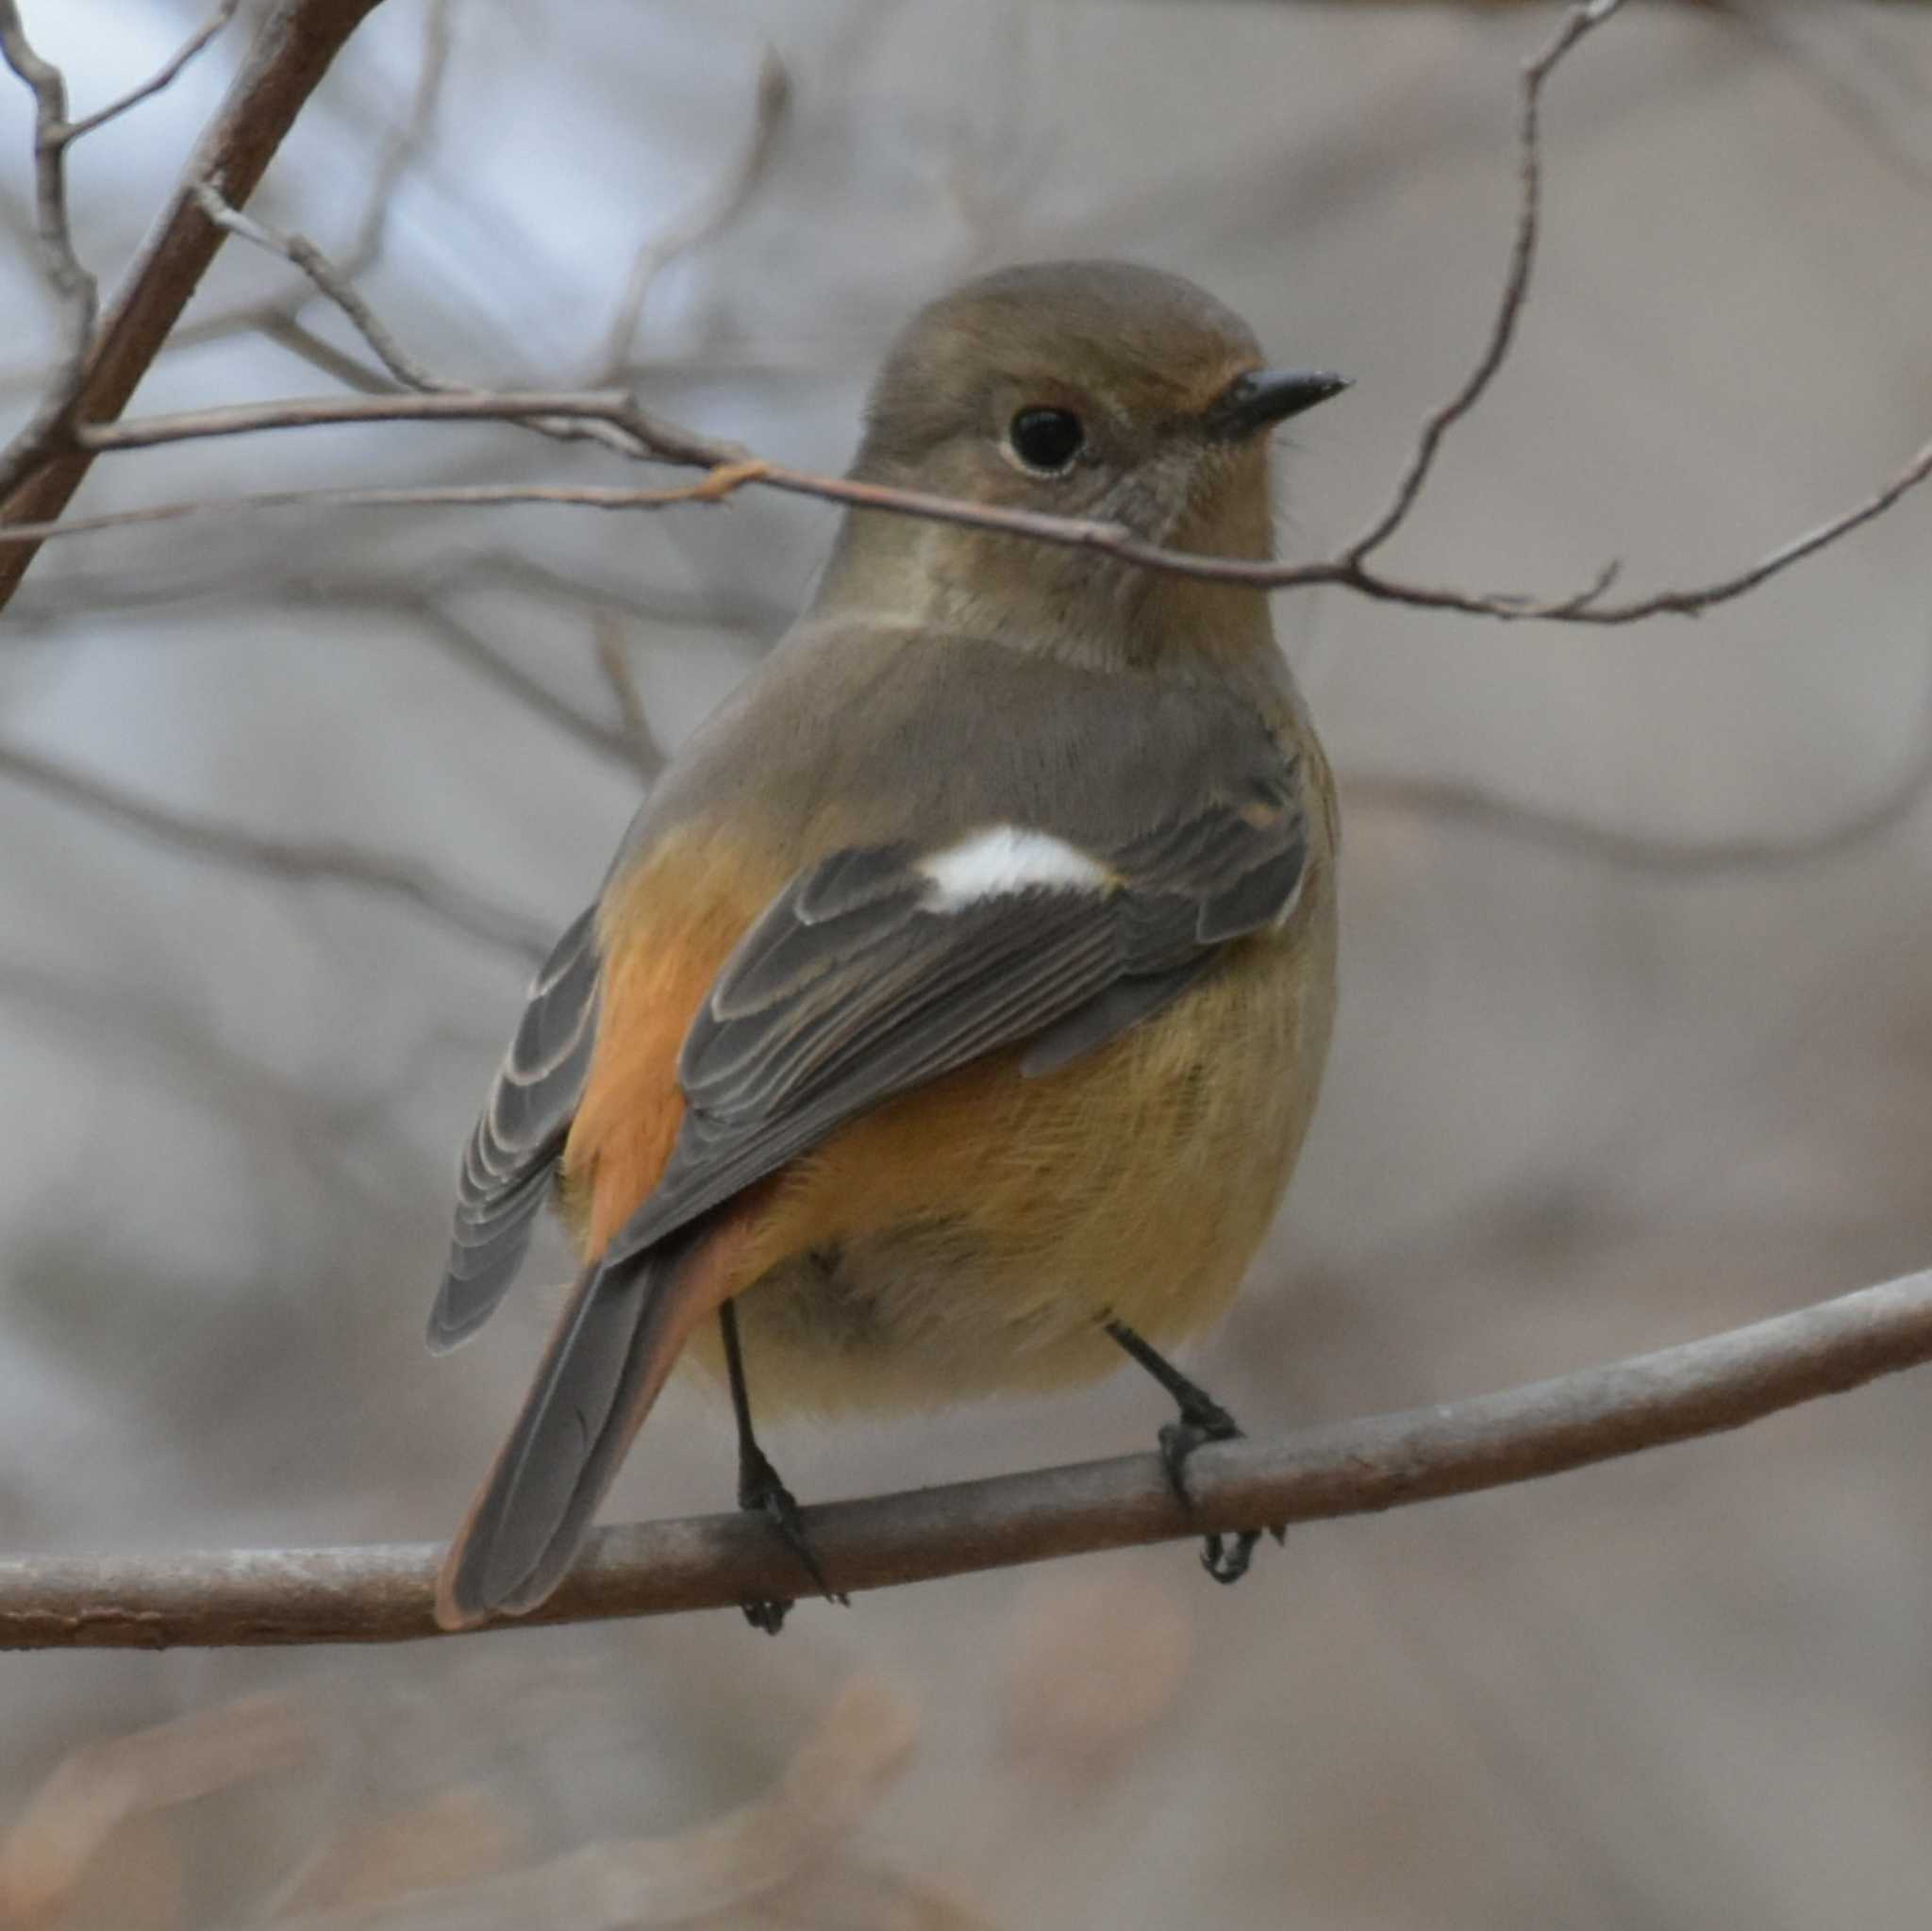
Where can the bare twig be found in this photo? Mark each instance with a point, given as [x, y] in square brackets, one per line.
[404, 144]
[71, 1818]
[456, 1836]
[1476, 806]
[290, 54]
[466, 495]
[1577, 23]
[280, 320]
[722, 1866]
[74, 288]
[614, 659]
[1840, 60]
[164, 76]
[299, 861]
[335, 283]
[730, 470]
[383, 1595]
[452, 404]
[469, 648]
[618, 422]
[703, 221]
[290, 333]
[331, 280]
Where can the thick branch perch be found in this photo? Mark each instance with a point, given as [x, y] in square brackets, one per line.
[382, 1595]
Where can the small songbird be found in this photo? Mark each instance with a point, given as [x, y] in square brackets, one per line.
[952, 1015]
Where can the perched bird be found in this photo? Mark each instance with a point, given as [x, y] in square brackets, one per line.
[953, 1012]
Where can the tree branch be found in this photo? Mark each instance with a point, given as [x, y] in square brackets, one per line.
[731, 470]
[383, 1593]
[74, 288]
[322, 411]
[1577, 23]
[164, 76]
[290, 54]
[614, 659]
[713, 214]
[618, 422]
[1455, 801]
[279, 319]
[296, 861]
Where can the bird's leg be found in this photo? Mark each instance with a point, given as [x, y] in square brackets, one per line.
[759, 1490]
[1202, 1419]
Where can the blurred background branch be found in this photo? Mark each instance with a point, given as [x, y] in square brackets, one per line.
[303, 862]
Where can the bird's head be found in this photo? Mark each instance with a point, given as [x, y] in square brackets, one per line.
[1095, 390]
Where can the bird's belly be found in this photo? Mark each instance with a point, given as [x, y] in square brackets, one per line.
[972, 1235]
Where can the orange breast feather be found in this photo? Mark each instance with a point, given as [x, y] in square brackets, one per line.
[667, 928]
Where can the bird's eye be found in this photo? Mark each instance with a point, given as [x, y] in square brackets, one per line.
[1046, 440]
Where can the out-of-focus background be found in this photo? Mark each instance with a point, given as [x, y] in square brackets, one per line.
[1589, 1095]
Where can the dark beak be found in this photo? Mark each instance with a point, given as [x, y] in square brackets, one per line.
[1267, 396]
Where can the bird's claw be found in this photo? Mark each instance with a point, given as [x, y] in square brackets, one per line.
[1226, 1557]
[767, 1614]
[760, 1492]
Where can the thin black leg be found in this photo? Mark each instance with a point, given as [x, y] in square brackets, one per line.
[1202, 1419]
[759, 1490]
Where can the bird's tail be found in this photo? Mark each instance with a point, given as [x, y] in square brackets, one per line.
[611, 1352]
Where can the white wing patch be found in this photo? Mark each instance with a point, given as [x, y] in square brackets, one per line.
[995, 863]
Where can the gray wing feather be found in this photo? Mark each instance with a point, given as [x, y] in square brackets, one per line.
[856, 984]
[511, 1159]
[1106, 1017]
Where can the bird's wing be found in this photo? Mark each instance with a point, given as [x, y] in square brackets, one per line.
[511, 1159]
[879, 969]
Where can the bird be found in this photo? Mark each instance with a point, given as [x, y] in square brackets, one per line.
[952, 1015]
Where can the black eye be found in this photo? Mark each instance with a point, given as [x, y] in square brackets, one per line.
[1046, 439]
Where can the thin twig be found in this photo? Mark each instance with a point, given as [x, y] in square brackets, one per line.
[712, 1873]
[405, 143]
[1476, 806]
[703, 222]
[335, 283]
[68, 1823]
[280, 320]
[469, 648]
[164, 76]
[731, 470]
[297, 860]
[453, 496]
[614, 659]
[74, 288]
[618, 422]
[452, 404]
[290, 53]
[384, 1593]
[1577, 23]
[331, 280]
[291, 333]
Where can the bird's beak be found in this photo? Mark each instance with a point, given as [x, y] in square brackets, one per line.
[1266, 396]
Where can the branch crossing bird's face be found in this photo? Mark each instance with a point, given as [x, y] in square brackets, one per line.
[1089, 389]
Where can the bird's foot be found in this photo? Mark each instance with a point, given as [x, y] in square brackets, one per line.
[760, 1492]
[1226, 1557]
